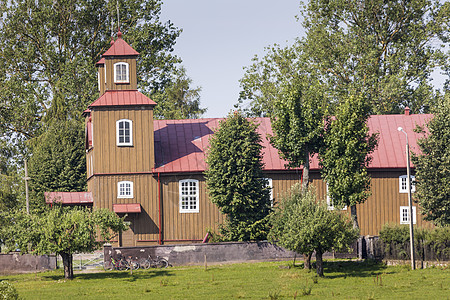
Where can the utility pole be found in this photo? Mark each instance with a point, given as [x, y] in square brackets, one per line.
[411, 218]
[26, 187]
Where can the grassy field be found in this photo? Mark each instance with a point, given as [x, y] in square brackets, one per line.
[271, 280]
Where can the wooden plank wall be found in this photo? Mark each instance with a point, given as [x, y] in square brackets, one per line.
[109, 64]
[110, 158]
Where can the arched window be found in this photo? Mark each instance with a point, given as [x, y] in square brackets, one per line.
[124, 132]
[189, 196]
[125, 189]
[121, 74]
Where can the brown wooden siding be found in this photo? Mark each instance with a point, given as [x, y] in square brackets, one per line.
[187, 226]
[131, 85]
[101, 77]
[110, 158]
[145, 191]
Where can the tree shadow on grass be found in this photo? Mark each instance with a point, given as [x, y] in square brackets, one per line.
[137, 275]
[338, 269]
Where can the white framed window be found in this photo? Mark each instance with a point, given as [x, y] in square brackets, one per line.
[121, 72]
[270, 185]
[403, 184]
[404, 215]
[330, 205]
[124, 132]
[125, 189]
[189, 196]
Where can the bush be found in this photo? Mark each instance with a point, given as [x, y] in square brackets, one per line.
[430, 244]
[8, 291]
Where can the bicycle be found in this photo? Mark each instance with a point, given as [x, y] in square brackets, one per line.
[159, 262]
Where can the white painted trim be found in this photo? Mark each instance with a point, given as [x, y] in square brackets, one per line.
[122, 194]
[196, 196]
[127, 72]
[130, 123]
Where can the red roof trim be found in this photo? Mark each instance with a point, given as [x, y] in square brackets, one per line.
[69, 197]
[122, 98]
[127, 208]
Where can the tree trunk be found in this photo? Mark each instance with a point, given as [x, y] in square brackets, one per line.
[307, 260]
[319, 262]
[354, 216]
[305, 172]
[68, 266]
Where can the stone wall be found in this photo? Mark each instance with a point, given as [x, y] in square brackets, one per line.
[12, 263]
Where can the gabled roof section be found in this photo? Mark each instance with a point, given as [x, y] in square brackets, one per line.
[122, 98]
[181, 145]
[120, 48]
[101, 61]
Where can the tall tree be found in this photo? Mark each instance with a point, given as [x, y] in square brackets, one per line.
[60, 230]
[386, 49]
[235, 180]
[298, 123]
[432, 166]
[58, 161]
[303, 225]
[346, 154]
[178, 100]
[263, 81]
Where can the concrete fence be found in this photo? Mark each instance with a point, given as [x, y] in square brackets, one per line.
[12, 263]
[196, 254]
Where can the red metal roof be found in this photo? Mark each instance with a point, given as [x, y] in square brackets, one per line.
[120, 48]
[101, 61]
[127, 208]
[180, 144]
[122, 97]
[69, 197]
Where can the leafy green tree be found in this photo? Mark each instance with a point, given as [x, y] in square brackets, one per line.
[58, 160]
[386, 49]
[61, 230]
[235, 180]
[178, 100]
[432, 166]
[303, 225]
[263, 81]
[298, 123]
[346, 154]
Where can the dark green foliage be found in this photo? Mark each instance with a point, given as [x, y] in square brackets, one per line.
[303, 225]
[235, 180]
[430, 244]
[58, 160]
[178, 100]
[298, 123]
[433, 167]
[345, 157]
[61, 230]
[385, 49]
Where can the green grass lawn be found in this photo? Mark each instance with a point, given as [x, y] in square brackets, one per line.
[343, 280]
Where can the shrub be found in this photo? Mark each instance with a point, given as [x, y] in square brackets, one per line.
[8, 291]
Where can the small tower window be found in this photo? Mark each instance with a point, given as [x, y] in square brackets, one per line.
[121, 74]
[124, 132]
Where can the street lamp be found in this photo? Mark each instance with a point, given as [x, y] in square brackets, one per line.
[411, 230]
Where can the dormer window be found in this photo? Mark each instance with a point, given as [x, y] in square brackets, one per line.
[124, 132]
[121, 73]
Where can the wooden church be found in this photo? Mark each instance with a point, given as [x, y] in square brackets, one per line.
[152, 170]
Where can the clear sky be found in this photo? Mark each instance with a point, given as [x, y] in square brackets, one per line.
[220, 37]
